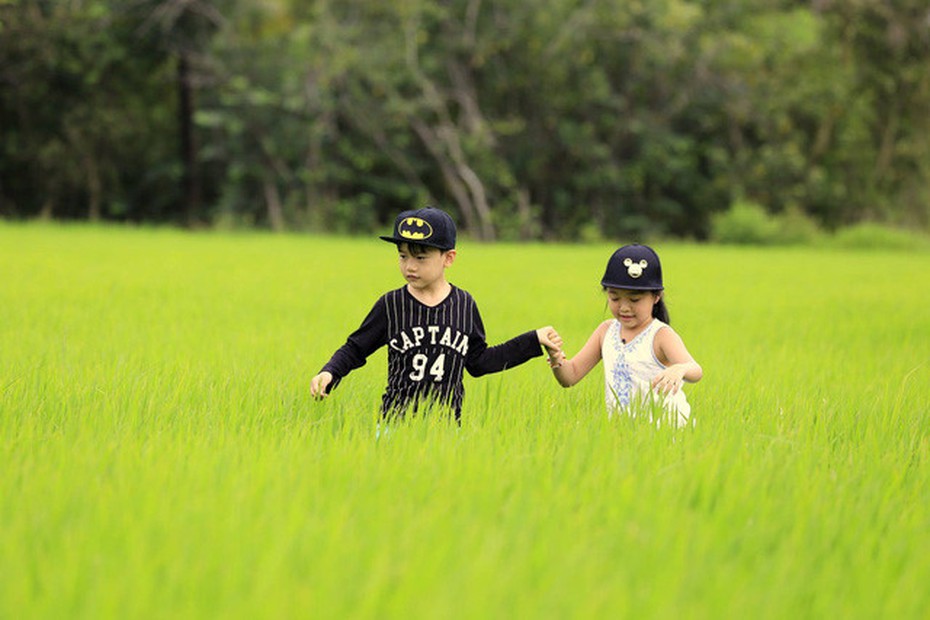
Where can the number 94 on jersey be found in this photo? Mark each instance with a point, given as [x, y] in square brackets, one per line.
[437, 369]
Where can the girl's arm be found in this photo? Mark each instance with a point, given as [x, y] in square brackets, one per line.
[571, 371]
[671, 351]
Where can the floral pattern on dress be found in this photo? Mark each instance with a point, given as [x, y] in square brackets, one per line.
[619, 390]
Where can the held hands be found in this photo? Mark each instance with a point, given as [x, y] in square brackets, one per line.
[550, 339]
[319, 385]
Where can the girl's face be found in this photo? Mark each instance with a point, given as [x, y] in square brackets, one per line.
[632, 308]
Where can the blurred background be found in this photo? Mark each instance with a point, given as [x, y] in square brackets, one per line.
[527, 119]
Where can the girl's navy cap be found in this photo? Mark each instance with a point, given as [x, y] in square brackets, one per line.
[634, 268]
[427, 226]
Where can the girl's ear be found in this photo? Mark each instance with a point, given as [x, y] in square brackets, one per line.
[656, 298]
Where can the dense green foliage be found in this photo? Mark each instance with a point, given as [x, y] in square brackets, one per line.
[527, 118]
[161, 457]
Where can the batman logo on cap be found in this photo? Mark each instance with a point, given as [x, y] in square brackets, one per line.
[414, 228]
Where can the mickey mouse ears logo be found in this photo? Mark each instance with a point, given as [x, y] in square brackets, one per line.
[414, 228]
[635, 269]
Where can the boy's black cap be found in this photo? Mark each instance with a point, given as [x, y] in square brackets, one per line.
[634, 268]
[427, 226]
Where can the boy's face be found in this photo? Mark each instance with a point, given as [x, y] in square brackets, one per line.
[423, 267]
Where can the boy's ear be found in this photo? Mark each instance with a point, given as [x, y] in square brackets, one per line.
[448, 257]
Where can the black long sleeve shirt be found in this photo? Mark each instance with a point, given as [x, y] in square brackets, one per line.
[429, 347]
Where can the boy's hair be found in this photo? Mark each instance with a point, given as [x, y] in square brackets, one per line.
[419, 248]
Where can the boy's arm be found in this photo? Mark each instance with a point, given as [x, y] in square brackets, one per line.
[368, 338]
[482, 359]
[502, 356]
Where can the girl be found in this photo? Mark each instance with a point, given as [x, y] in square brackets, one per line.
[645, 361]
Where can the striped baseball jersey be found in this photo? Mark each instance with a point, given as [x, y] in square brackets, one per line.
[429, 347]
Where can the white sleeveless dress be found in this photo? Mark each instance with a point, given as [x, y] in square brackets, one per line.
[628, 371]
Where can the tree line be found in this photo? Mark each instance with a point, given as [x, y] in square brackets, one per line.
[529, 119]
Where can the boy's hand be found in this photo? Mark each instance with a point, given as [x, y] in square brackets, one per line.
[549, 338]
[319, 383]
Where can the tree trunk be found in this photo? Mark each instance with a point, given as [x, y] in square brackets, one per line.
[465, 185]
[94, 189]
[273, 203]
[525, 214]
[190, 182]
[452, 180]
[442, 140]
[886, 147]
[47, 212]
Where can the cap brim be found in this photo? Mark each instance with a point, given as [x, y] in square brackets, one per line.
[630, 287]
[399, 240]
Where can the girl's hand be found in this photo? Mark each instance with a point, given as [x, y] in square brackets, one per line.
[319, 384]
[670, 380]
[555, 359]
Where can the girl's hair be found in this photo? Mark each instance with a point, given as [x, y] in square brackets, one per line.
[660, 310]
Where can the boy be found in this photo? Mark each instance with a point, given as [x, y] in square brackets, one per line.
[432, 329]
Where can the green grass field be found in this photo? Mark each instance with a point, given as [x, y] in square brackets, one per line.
[160, 456]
